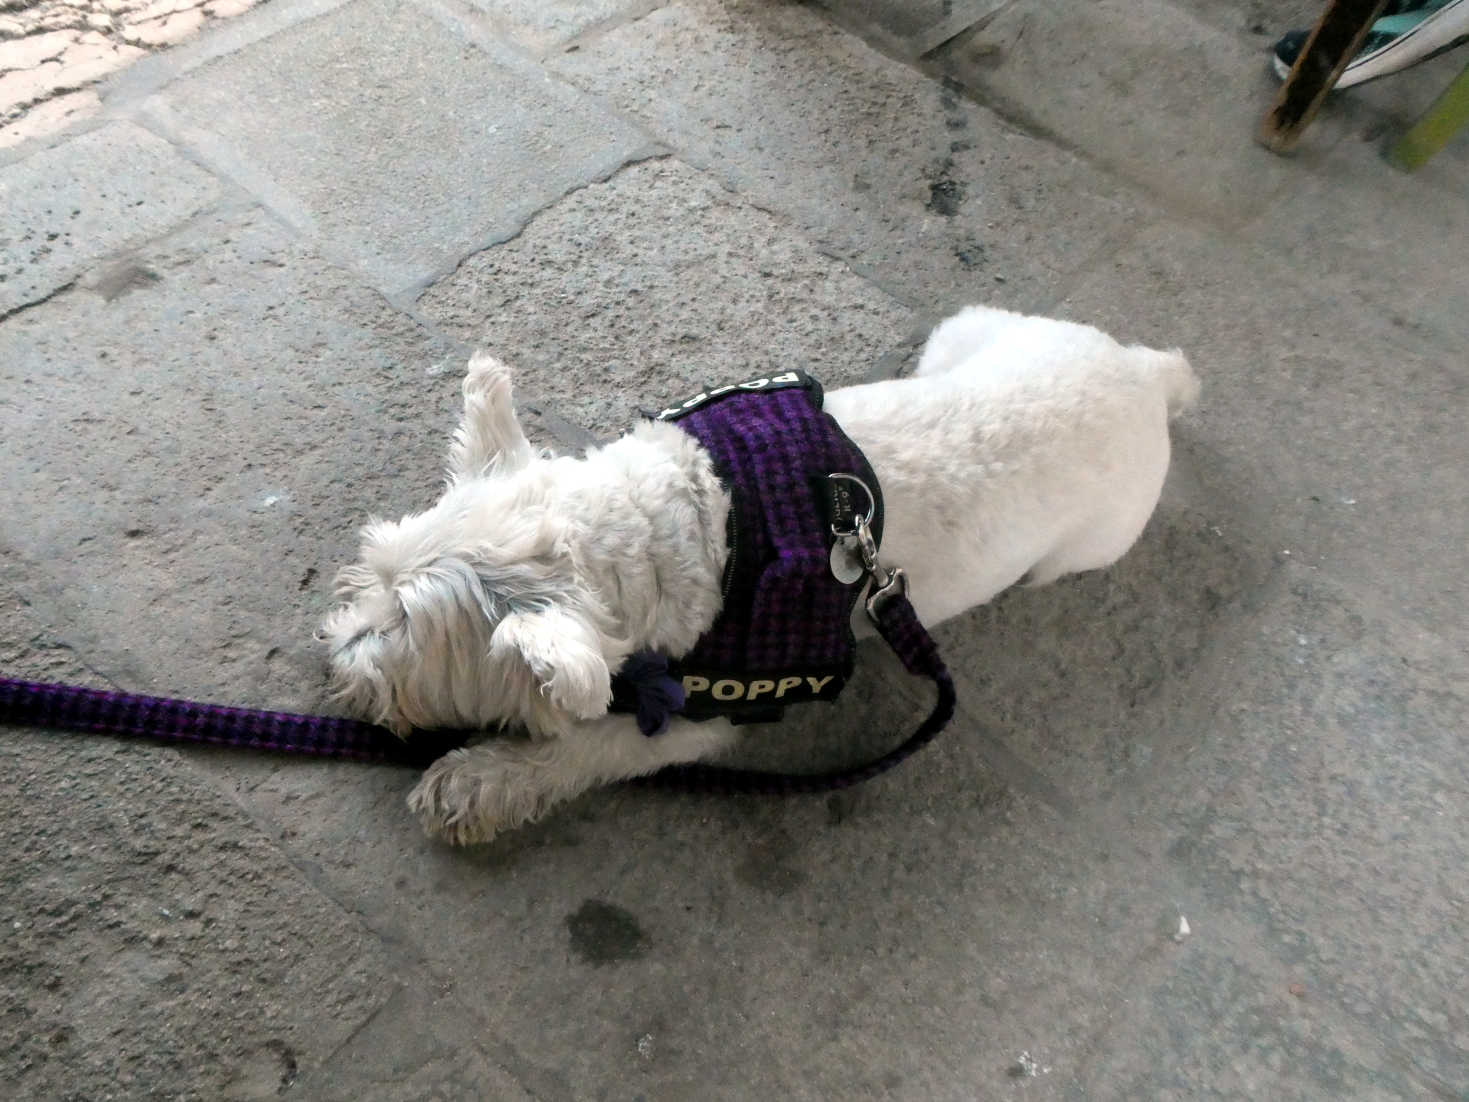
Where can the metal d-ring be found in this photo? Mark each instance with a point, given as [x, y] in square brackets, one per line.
[886, 583]
[871, 504]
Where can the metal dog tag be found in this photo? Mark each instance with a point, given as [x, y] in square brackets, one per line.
[846, 562]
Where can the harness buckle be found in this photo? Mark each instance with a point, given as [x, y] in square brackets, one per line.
[886, 584]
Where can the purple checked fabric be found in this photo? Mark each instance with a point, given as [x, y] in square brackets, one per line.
[71, 707]
[783, 608]
[783, 634]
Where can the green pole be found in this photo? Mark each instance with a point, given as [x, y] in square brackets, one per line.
[1438, 124]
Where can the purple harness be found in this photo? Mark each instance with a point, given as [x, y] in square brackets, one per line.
[784, 633]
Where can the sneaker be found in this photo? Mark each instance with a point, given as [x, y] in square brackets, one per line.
[1408, 32]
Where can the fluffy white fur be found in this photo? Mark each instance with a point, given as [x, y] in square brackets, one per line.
[1021, 449]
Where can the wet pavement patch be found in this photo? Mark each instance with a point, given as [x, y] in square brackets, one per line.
[603, 933]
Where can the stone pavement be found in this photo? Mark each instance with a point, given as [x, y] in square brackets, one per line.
[234, 304]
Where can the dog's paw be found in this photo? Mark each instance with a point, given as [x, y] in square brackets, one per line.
[450, 803]
[469, 796]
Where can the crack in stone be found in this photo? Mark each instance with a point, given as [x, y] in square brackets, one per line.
[33, 303]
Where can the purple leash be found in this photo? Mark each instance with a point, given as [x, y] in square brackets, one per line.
[41, 704]
[69, 707]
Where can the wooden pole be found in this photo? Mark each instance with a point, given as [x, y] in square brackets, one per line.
[1335, 41]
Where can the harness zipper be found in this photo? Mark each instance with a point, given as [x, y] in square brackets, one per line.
[732, 538]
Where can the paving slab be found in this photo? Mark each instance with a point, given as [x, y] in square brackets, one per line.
[63, 209]
[209, 420]
[484, 147]
[233, 31]
[1321, 801]
[1145, 88]
[46, 118]
[1092, 679]
[1380, 110]
[929, 196]
[153, 937]
[1298, 773]
[38, 67]
[634, 291]
[1218, 1028]
[1347, 217]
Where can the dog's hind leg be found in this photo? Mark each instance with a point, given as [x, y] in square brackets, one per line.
[473, 794]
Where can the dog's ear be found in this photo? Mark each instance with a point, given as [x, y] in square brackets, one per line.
[562, 653]
[490, 439]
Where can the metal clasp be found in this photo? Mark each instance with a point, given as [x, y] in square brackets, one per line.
[886, 584]
[895, 586]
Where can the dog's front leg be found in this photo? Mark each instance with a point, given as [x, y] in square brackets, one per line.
[473, 794]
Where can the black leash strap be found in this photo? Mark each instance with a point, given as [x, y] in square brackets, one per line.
[69, 707]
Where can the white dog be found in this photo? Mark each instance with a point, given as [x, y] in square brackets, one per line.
[1020, 449]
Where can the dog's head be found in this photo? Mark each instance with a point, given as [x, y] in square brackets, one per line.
[473, 613]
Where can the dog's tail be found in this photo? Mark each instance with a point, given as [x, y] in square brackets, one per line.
[1180, 384]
